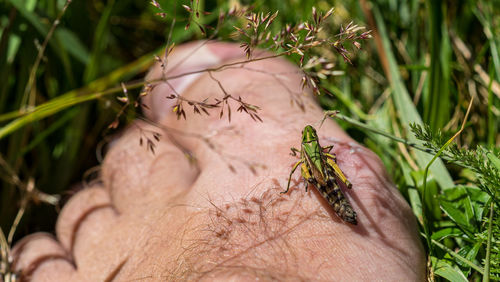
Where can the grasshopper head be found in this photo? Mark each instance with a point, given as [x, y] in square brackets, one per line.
[309, 134]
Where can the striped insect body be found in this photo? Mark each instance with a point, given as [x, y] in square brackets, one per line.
[319, 167]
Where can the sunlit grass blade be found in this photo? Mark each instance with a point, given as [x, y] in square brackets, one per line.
[75, 97]
[405, 107]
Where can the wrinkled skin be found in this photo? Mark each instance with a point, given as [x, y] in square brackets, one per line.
[157, 217]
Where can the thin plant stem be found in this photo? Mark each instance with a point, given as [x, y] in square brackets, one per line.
[444, 156]
[4, 253]
[30, 189]
[486, 274]
[31, 80]
[359, 124]
[16, 221]
[457, 256]
[426, 172]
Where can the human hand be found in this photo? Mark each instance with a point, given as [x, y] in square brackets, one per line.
[162, 216]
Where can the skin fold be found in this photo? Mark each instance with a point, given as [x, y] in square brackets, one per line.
[207, 204]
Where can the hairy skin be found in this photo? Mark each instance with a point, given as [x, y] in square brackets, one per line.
[163, 217]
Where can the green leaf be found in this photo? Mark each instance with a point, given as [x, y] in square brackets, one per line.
[464, 205]
[416, 204]
[480, 200]
[469, 252]
[447, 232]
[430, 198]
[471, 255]
[494, 160]
[446, 271]
[79, 96]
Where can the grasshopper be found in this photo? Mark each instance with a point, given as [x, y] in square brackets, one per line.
[320, 168]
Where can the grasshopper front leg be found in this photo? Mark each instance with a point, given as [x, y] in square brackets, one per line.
[290, 177]
[294, 151]
[327, 149]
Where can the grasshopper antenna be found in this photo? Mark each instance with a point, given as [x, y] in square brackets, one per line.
[327, 114]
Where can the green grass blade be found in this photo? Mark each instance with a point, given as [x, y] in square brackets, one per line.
[75, 97]
[99, 44]
[407, 111]
[40, 136]
[437, 98]
[486, 275]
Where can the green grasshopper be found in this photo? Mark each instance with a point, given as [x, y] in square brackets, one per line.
[320, 168]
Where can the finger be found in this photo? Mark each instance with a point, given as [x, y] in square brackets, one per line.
[88, 227]
[130, 172]
[38, 251]
[78, 209]
[135, 168]
[188, 58]
[54, 271]
[97, 245]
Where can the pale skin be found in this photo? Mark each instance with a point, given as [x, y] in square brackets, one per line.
[157, 217]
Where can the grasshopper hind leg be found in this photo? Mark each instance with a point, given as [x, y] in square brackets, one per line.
[339, 175]
[306, 174]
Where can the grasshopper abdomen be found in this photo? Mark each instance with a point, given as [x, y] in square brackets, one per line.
[336, 199]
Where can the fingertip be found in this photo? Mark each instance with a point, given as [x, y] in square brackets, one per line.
[135, 173]
[35, 250]
[76, 208]
[182, 67]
